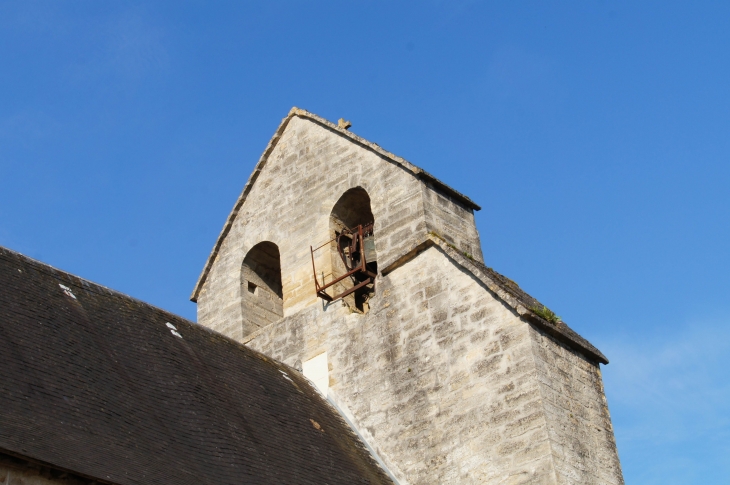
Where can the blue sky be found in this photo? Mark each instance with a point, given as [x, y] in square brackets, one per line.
[595, 135]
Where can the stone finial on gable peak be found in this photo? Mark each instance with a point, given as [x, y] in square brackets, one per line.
[345, 125]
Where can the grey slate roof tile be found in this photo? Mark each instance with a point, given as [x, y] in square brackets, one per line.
[95, 382]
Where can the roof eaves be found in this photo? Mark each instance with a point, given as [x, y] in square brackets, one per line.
[302, 113]
[17, 461]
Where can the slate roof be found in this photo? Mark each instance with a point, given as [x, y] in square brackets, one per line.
[417, 172]
[108, 387]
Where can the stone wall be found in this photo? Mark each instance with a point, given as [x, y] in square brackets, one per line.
[443, 378]
[452, 222]
[580, 430]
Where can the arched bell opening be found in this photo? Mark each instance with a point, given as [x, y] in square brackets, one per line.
[353, 248]
[262, 302]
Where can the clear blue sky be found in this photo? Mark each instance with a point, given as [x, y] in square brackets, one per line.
[595, 135]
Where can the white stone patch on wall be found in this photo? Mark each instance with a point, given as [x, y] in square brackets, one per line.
[316, 370]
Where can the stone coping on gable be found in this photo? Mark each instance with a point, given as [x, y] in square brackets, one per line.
[507, 290]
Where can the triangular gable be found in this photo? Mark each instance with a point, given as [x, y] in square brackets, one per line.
[409, 167]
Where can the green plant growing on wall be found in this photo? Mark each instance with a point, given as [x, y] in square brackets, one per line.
[546, 314]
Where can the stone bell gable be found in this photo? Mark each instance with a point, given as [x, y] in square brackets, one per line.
[308, 165]
[446, 369]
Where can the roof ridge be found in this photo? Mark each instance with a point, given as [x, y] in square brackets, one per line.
[88, 284]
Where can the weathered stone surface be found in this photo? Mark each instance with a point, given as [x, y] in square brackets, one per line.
[580, 430]
[420, 374]
[449, 376]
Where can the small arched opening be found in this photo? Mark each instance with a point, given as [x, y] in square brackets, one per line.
[353, 246]
[261, 293]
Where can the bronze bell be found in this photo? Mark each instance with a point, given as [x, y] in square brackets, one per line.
[368, 243]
